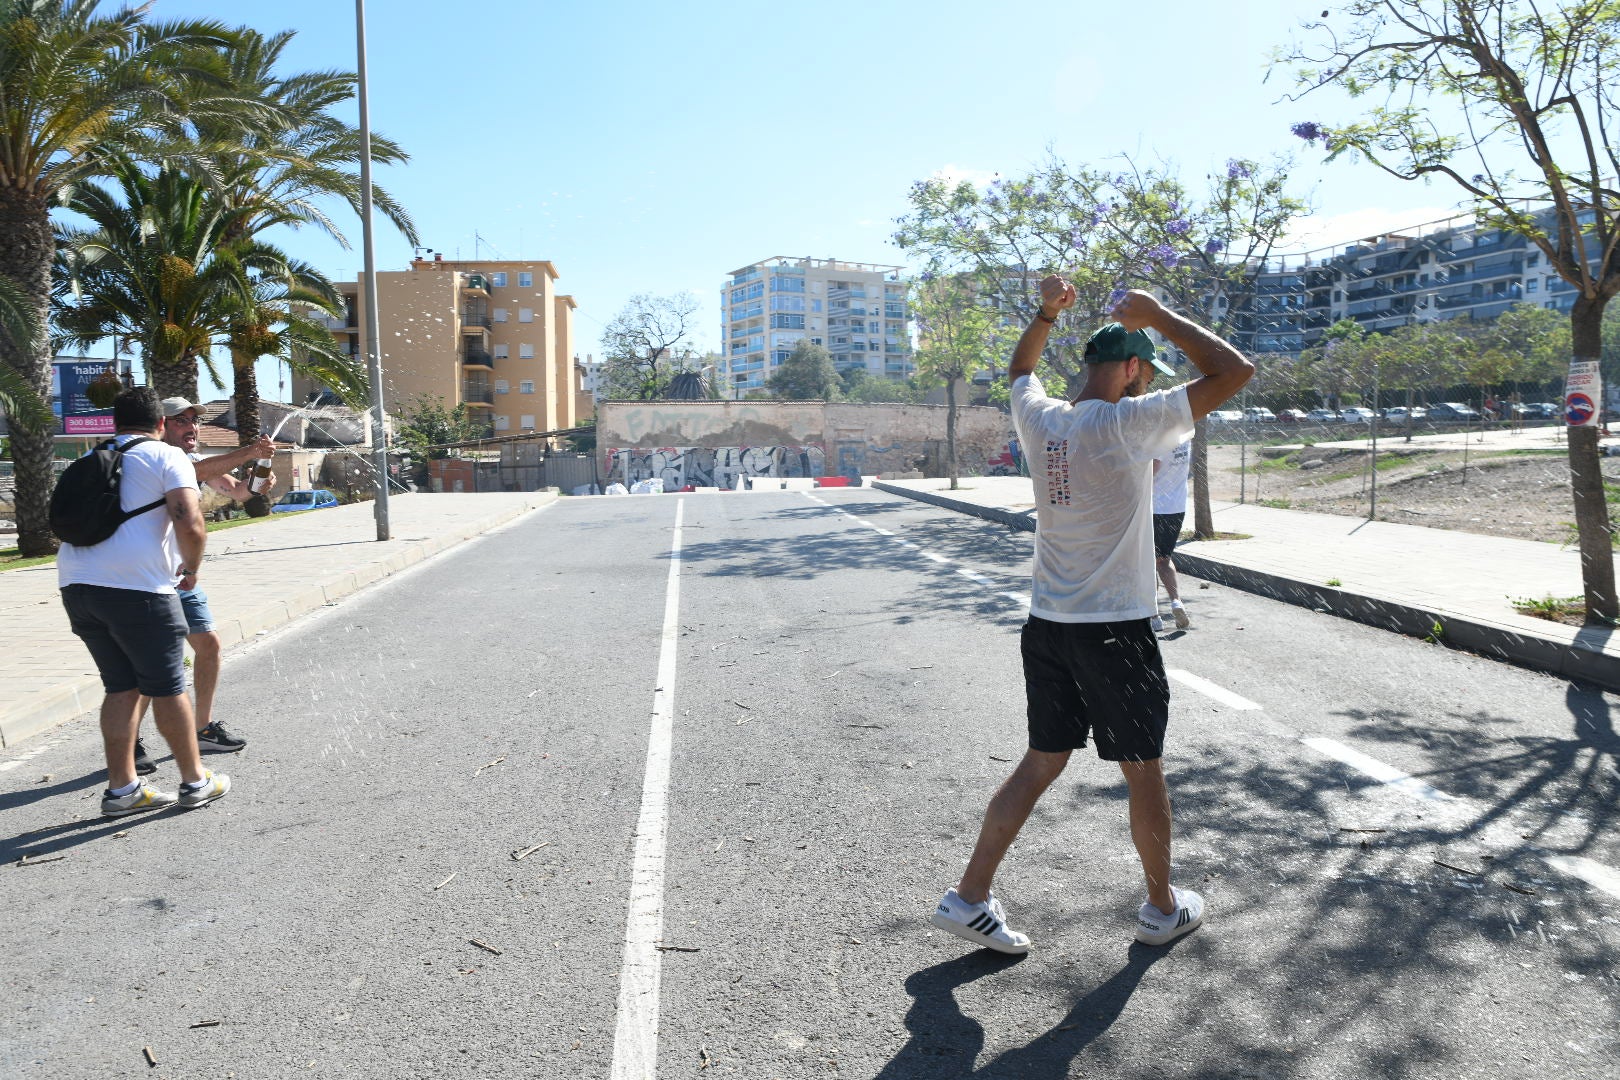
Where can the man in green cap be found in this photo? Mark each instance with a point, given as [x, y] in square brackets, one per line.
[1091, 659]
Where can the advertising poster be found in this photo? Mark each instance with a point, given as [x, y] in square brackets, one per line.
[1583, 393]
[68, 401]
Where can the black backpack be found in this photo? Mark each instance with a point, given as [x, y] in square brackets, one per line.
[85, 507]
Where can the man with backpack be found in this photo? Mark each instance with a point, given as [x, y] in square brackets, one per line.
[134, 533]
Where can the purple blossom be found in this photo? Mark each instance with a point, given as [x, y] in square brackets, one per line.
[926, 276]
[1099, 214]
[1174, 206]
[1115, 297]
[1215, 245]
[1237, 169]
[1309, 131]
[1479, 179]
[1178, 227]
[1164, 255]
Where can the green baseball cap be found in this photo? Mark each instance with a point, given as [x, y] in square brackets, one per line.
[1114, 342]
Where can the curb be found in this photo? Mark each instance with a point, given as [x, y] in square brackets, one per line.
[1577, 660]
[77, 696]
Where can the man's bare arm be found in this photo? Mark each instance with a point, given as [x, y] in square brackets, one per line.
[210, 468]
[1224, 370]
[190, 532]
[1057, 296]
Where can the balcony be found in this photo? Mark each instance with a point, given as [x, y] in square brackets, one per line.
[478, 393]
[1514, 268]
[478, 358]
[474, 320]
[1502, 244]
[475, 283]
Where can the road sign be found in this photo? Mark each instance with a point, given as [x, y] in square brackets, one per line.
[1582, 391]
[1579, 409]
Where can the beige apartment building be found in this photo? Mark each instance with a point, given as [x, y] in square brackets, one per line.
[495, 335]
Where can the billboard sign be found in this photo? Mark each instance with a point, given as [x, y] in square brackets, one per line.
[69, 379]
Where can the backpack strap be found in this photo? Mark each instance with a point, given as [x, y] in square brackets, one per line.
[122, 450]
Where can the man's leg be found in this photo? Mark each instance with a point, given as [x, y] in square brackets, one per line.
[118, 722]
[1167, 574]
[174, 723]
[1008, 810]
[205, 651]
[1150, 828]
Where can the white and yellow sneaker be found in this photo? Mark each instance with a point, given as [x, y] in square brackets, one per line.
[145, 797]
[204, 791]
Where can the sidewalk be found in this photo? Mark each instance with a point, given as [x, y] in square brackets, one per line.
[257, 577]
[1404, 578]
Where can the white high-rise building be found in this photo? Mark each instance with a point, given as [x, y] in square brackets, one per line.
[858, 311]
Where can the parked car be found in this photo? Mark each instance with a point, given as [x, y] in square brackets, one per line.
[1225, 416]
[1453, 410]
[1322, 416]
[1257, 414]
[1400, 414]
[1544, 410]
[1355, 414]
[307, 499]
[1291, 416]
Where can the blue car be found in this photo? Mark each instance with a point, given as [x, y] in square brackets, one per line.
[293, 501]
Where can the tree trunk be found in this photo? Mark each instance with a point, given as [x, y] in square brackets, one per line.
[1203, 516]
[950, 432]
[247, 397]
[26, 253]
[1586, 480]
[173, 378]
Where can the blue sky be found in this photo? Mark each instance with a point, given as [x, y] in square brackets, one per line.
[656, 147]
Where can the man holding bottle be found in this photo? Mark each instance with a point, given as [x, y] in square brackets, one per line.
[180, 420]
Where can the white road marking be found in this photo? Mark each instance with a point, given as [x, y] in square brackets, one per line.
[1211, 690]
[1017, 598]
[635, 1037]
[936, 558]
[1385, 774]
[974, 576]
[27, 755]
[1592, 872]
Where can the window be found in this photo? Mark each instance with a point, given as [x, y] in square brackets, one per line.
[1531, 285]
[498, 280]
[815, 341]
[503, 423]
[525, 352]
[815, 306]
[525, 314]
[499, 314]
[526, 421]
[526, 386]
[501, 351]
[525, 281]
[502, 386]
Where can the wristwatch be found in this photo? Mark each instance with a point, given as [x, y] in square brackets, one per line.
[1040, 313]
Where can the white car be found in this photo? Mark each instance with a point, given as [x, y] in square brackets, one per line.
[1357, 415]
[1258, 415]
[1226, 416]
[1400, 414]
[1322, 416]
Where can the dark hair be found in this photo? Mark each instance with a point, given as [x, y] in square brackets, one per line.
[137, 409]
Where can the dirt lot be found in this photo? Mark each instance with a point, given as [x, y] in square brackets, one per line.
[1515, 493]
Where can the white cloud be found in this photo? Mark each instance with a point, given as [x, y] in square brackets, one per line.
[955, 174]
[1333, 230]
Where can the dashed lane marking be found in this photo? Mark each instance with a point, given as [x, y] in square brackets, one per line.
[635, 1035]
[1210, 690]
[1385, 774]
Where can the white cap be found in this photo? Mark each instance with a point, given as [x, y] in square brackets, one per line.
[174, 406]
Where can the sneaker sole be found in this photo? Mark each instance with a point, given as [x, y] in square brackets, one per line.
[953, 927]
[143, 809]
[1165, 939]
[214, 748]
[1182, 621]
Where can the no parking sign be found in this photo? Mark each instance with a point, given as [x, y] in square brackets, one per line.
[1582, 392]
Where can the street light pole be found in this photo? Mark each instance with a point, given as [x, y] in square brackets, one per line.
[379, 431]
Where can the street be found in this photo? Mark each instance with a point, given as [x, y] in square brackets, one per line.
[427, 863]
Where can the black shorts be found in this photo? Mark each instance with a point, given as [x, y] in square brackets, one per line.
[1105, 679]
[137, 639]
[1166, 531]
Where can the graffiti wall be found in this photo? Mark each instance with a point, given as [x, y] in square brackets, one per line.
[713, 466]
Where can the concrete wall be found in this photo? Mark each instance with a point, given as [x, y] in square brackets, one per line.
[713, 442]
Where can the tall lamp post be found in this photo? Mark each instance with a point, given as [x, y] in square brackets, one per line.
[379, 432]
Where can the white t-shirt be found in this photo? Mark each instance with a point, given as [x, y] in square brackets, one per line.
[1170, 482]
[142, 555]
[1091, 463]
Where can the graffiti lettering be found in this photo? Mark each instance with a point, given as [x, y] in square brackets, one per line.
[701, 466]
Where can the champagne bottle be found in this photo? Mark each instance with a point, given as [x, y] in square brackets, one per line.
[261, 477]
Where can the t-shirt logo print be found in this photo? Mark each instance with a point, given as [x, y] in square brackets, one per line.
[1057, 473]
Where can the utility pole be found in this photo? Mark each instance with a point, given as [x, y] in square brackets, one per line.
[379, 430]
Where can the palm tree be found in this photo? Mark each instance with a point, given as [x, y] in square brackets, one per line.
[75, 89]
[18, 326]
[282, 174]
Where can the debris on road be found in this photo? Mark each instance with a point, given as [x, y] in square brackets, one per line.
[490, 765]
[445, 882]
[206, 1023]
[1460, 870]
[704, 1061]
[486, 946]
[35, 860]
[677, 948]
[151, 1058]
[523, 853]
[1346, 828]
[993, 757]
[740, 705]
[1518, 889]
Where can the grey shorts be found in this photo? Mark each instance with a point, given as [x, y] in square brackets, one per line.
[199, 620]
[137, 639]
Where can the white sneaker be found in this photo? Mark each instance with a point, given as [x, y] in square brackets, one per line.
[1180, 614]
[212, 786]
[983, 924]
[1157, 624]
[1154, 927]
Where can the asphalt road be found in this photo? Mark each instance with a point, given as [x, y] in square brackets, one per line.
[1409, 854]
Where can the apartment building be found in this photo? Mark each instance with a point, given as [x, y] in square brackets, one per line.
[1454, 269]
[858, 311]
[495, 335]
